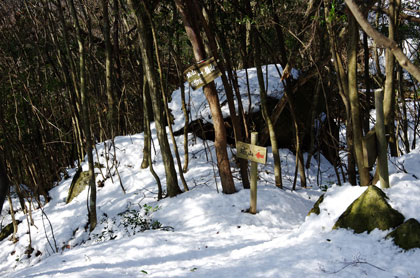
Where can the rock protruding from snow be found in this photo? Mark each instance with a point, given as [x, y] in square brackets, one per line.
[79, 183]
[315, 209]
[407, 235]
[368, 212]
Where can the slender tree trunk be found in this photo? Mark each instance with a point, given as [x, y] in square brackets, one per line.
[165, 99]
[12, 215]
[367, 97]
[404, 118]
[147, 152]
[210, 92]
[146, 49]
[4, 184]
[267, 119]
[343, 89]
[111, 112]
[85, 118]
[178, 66]
[389, 95]
[383, 41]
[354, 99]
[118, 84]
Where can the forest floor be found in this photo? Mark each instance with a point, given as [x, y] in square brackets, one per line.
[205, 233]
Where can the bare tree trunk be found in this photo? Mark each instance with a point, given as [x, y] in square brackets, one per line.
[404, 118]
[4, 184]
[146, 49]
[147, 153]
[118, 84]
[236, 124]
[178, 66]
[383, 41]
[111, 113]
[12, 215]
[354, 99]
[85, 118]
[267, 119]
[210, 92]
[344, 94]
[389, 95]
[367, 97]
[165, 99]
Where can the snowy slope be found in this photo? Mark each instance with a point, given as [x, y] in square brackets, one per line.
[204, 233]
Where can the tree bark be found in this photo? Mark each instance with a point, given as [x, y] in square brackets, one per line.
[343, 90]
[210, 92]
[147, 153]
[165, 99]
[267, 119]
[354, 99]
[146, 49]
[236, 124]
[85, 118]
[111, 112]
[383, 41]
[389, 94]
[4, 184]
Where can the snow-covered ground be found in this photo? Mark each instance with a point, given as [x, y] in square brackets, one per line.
[206, 234]
[203, 233]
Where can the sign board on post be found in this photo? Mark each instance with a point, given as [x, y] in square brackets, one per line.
[251, 152]
[202, 73]
[256, 154]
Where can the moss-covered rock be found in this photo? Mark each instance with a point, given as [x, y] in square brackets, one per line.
[407, 235]
[7, 230]
[78, 184]
[315, 209]
[371, 210]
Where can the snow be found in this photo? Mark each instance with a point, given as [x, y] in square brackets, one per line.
[204, 233]
[199, 109]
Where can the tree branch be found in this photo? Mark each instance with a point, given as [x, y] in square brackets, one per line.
[383, 41]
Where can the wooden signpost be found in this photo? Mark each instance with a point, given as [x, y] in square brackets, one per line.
[257, 155]
[202, 73]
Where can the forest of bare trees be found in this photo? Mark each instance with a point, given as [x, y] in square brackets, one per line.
[77, 72]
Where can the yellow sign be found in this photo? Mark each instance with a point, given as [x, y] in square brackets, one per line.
[251, 152]
[202, 73]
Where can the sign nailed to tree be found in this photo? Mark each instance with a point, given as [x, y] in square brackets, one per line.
[202, 73]
[251, 152]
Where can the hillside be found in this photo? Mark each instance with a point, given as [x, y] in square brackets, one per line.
[204, 233]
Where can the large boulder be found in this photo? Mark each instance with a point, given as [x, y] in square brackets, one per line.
[407, 235]
[78, 184]
[371, 210]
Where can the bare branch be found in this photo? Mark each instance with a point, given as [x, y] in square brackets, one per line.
[383, 41]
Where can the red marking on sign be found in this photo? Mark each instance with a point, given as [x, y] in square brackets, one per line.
[258, 155]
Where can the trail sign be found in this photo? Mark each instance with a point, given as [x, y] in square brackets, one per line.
[202, 73]
[251, 152]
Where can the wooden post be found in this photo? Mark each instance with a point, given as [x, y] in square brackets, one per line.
[257, 155]
[382, 143]
[254, 177]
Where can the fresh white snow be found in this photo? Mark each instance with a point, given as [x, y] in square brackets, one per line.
[205, 233]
